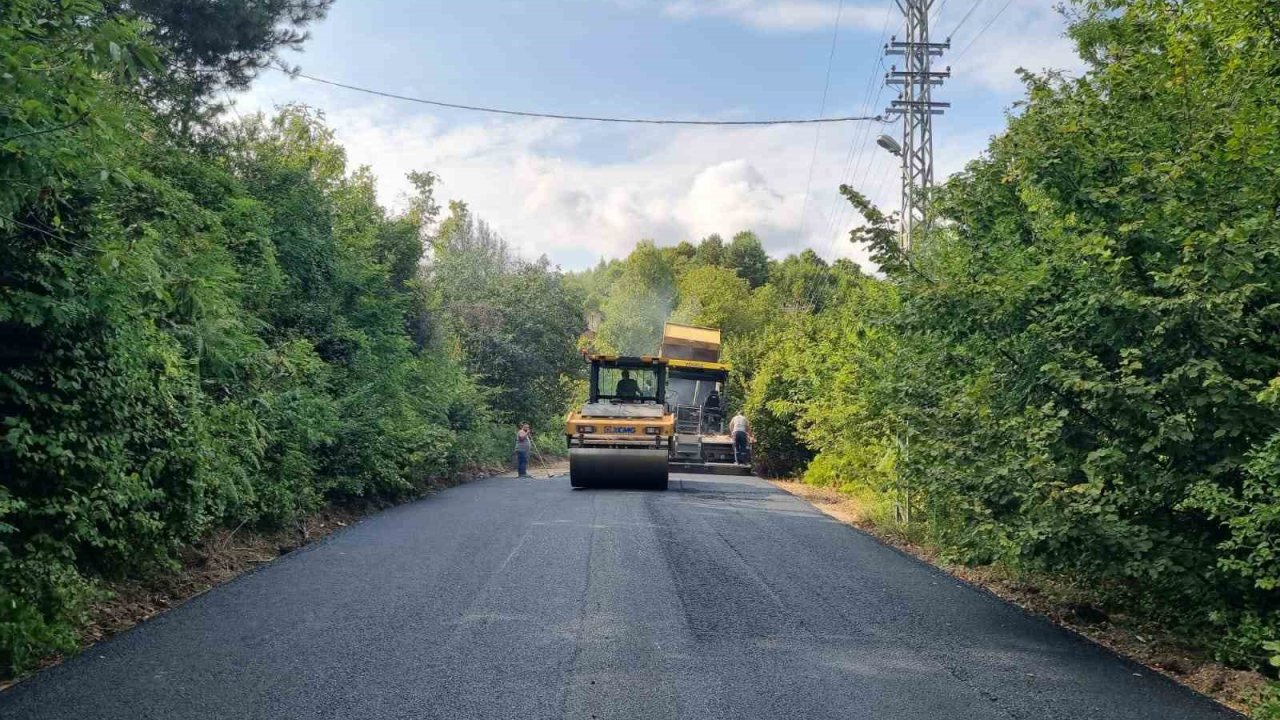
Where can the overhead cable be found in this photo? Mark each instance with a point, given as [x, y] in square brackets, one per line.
[938, 15]
[965, 19]
[859, 137]
[822, 109]
[587, 118]
[984, 28]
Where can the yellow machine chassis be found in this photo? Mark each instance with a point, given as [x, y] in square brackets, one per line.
[629, 452]
[576, 425]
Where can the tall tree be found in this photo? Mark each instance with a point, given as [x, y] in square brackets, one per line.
[212, 45]
[513, 323]
[747, 257]
[803, 281]
[710, 251]
[638, 303]
[716, 297]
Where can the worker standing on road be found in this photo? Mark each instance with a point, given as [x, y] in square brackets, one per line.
[524, 442]
[741, 432]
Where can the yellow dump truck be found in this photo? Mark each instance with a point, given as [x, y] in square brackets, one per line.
[696, 381]
[622, 435]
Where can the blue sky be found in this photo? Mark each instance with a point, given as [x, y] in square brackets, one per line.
[578, 192]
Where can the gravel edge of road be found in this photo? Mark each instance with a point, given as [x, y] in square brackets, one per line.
[821, 499]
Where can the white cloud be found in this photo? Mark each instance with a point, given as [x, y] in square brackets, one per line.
[792, 15]
[533, 181]
[735, 195]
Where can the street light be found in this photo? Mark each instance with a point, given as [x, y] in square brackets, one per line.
[889, 144]
[893, 146]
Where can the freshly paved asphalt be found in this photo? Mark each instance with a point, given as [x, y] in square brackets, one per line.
[721, 598]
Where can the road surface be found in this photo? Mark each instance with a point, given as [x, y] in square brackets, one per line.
[516, 599]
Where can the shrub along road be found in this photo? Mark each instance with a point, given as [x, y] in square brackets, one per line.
[722, 598]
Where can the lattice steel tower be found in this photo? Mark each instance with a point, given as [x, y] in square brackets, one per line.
[916, 106]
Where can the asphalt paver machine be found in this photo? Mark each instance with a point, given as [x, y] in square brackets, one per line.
[696, 381]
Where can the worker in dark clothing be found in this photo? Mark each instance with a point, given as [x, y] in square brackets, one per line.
[711, 411]
[712, 403]
[627, 387]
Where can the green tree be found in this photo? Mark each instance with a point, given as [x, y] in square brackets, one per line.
[710, 251]
[193, 341]
[1081, 356]
[514, 323]
[215, 45]
[746, 256]
[1086, 343]
[716, 297]
[804, 281]
[639, 302]
[63, 120]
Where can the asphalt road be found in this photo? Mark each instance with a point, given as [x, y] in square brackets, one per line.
[721, 598]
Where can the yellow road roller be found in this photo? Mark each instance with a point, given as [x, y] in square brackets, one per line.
[622, 436]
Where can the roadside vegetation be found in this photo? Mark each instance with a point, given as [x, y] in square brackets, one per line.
[211, 323]
[1077, 372]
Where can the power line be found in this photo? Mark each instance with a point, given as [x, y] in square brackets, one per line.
[938, 16]
[966, 17]
[840, 209]
[822, 109]
[984, 29]
[588, 118]
[854, 162]
[811, 295]
[858, 138]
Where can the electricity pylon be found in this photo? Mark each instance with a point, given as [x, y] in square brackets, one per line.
[917, 107]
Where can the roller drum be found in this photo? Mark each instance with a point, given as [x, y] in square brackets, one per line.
[618, 467]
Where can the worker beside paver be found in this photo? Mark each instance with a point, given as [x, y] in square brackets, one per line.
[741, 433]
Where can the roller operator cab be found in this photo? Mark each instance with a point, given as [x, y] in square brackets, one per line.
[622, 436]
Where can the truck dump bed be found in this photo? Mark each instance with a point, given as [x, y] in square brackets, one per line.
[689, 342]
